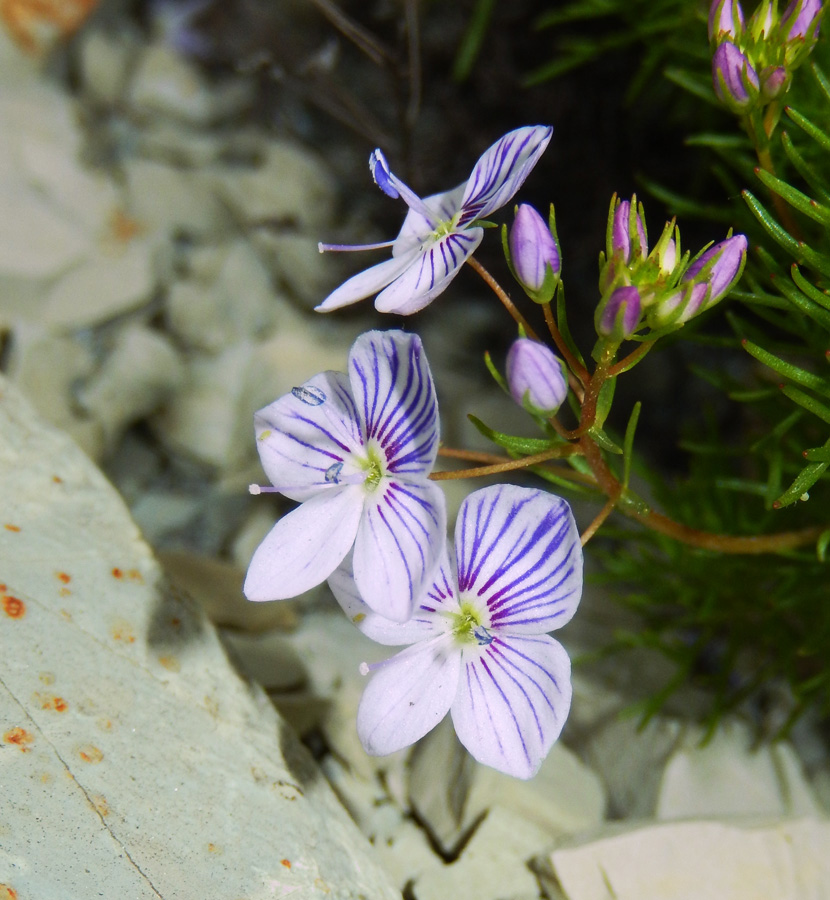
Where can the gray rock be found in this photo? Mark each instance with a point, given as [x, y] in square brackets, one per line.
[133, 756]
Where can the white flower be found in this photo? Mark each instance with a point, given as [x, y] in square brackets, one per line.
[479, 648]
[439, 232]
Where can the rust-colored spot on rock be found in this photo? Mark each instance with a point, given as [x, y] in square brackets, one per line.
[104, 724]
[64, 592]
[124, 228]
[123, 631]
[100, 804]
[170, 663]
[117, 573]
[286, 863]
[135, 575]
[62, 576]
[47, 701]
[13, 607]
[89, 753]
[57, 479]
[9, 527]
[20, 737]
[212, 848]
[7, 893]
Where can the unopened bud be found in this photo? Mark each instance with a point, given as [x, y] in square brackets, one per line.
[628, 236]
[734, 79]
[535, 377]
[619, 316]
[534, 254]
[800, 19]
[727, 261]
[726, 19]
[774, 81]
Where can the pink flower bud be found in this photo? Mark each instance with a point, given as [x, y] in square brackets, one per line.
[725, 18]
[734, 79]
[535, 377]
[622, 233]
[774, 81]
[534, 254]
[620, 316]
[729, 257]
[800, 19]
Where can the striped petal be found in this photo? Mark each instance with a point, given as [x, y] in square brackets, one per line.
[395, 398]
[398, 547]
[428, 621]
[429, 273]
[519, 554]
[306, 438]
[408, 695]
[502, 170]
[306, 546]
[368, 282]
[512, 701]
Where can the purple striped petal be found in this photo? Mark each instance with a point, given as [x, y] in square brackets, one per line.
[306, 438]
[305, 546]
[502, 170]
[429, 274]
[398, 546]
[519, 554]
[427, 621]
[408, 695]
[367, 282]
[395, 397]
[513, 697]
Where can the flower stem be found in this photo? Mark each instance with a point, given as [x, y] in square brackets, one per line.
[508, 465]
[499, 291]
[574, 365]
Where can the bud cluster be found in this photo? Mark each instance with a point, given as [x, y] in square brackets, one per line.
[753, 59]
[532, 251]
[661, 288]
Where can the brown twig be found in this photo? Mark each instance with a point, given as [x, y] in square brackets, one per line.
[499, 291]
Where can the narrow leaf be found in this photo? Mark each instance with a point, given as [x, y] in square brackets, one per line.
[805, 479]
[808, 307]
[628, 441]
[520, 445]
[562, 324]
[795, 198]
[819, 136]
[775, 231]
[809, 403]
[804, 169]
[788, 370]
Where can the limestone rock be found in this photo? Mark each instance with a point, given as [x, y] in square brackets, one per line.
[785, 860]
[726, 777]
[492, 866]
[133, 756]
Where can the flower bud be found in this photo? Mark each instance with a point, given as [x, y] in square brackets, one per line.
[800, 19]
[535, 377]
[760, 23]
[619, 317]
[726, 18]
[534, 254]
[774, 81]
[624, 232]
[678, 307]
[734, 79]
[726, 263]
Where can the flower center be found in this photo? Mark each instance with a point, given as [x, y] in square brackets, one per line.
[467, 627]
[374, 468]
[447, 226]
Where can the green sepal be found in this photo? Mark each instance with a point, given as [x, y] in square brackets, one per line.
[521, 446]
[628, 442]
[809, 403]
[788, 370]
[795, 198]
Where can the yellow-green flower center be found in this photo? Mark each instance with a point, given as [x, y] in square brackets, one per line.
[373, 465]
[466, 625]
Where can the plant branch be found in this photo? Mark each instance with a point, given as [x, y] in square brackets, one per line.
[499, 291]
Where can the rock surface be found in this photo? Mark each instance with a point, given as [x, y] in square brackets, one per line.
[122, 726]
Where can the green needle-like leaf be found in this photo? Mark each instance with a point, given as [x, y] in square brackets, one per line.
[776, 232]
[521, 446]
[795, 198]
[788, 370]
[809, 403]
[819, 136]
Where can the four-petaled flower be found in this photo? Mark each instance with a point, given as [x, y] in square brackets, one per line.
[356, 452]
[479, 647]
[439, 232]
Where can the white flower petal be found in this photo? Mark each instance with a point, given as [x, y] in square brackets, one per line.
[366, 283]
[502, 170]
[395, 399]
[305, 546]
[408, 695]
[398, 547]
[519, 553]
[306, 438]
[513, 699]
[428, 620]
[430, 273]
